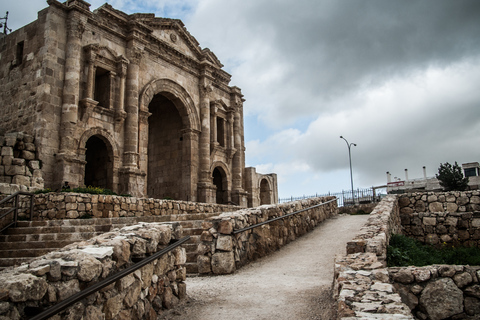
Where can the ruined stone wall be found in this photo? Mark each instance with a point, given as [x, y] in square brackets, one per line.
[365, 288]
[69, 205]
[361, 285]
[144, 294]
[439, 291]
[452, 218]
[20, 169]
[222, 252]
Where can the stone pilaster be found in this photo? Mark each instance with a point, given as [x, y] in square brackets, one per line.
[68, 168]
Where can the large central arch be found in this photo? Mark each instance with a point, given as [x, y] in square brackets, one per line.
[169, 139]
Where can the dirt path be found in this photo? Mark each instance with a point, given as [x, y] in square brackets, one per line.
[293, 283]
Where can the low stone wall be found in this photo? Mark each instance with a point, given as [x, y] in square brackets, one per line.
[222, 252]
[452, 201]
[361, 285]
[141, 295]
[20, 170]
[452, 218]
[69, 205]
[439, 291]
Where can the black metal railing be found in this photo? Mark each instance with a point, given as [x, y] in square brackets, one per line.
[281, 217]
[5, 223]
[347, 198]
[102, 284]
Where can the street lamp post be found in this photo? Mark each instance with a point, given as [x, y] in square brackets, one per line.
[350, 159]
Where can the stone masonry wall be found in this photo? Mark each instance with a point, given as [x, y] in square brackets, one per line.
[439, 291]
[452, 218]
[144, 294]
[20, 170]
[69, 205]
[222, 252]
[361, 284]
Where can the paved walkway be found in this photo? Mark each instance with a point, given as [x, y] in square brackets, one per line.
[293, 283]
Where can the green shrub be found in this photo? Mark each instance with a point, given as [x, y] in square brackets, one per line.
[91, 190]
[404, 251]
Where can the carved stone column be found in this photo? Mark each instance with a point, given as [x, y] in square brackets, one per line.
[120, 113]
[190, 138]
[130, 181]
[239, 195]
[206, 190]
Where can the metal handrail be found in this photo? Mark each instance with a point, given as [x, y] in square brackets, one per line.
[102, 284]
[15, 207]
[278, 218]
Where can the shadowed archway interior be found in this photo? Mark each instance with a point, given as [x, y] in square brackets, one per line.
[165, 154]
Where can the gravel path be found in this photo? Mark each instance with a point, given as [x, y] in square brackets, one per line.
[293, 283]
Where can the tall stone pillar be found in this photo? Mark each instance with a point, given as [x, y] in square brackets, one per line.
[68, 166]
[206, 190]
[132, 180]
[190, 139]
[239, 196]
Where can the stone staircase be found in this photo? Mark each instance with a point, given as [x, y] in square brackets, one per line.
[32, 239]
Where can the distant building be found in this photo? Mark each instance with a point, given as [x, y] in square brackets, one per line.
[397, 185]
[126, 102]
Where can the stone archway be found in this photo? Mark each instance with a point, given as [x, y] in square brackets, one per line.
[168, 141]
[99, 163]
[165, 150]
[265, 192]
[220, 181]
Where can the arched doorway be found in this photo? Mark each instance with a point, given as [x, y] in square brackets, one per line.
[99, 166]
[165, 152]
[265, 192]
[220, 182]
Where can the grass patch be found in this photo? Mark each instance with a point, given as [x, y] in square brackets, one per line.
[404, 251]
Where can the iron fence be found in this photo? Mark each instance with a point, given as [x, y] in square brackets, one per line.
[345, 198]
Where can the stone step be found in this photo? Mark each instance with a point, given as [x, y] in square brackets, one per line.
[24, 253]
[34, 245]
[10, 262]
[58, 229]
[192, 268]
[49, 237]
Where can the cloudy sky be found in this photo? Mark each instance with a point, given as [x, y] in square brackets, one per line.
[401, 79]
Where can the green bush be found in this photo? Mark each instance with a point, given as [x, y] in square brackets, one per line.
[91, 190]
[404, 251]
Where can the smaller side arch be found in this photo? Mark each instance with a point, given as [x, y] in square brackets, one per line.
[99, 155]
[265, 191]
[222, 181]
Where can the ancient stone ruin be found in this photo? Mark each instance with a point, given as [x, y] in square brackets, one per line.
[131, 103]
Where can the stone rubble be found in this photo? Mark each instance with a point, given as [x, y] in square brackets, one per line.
[20, 169]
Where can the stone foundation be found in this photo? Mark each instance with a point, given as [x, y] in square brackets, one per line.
[143, 294]
[222, 252]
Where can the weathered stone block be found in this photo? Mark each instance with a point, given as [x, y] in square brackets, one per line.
[224, 243]
[435, 207]
[442, 299]
[429, 221]
[7, 151]
[22, 180]
[14, 170]
[223, 263]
